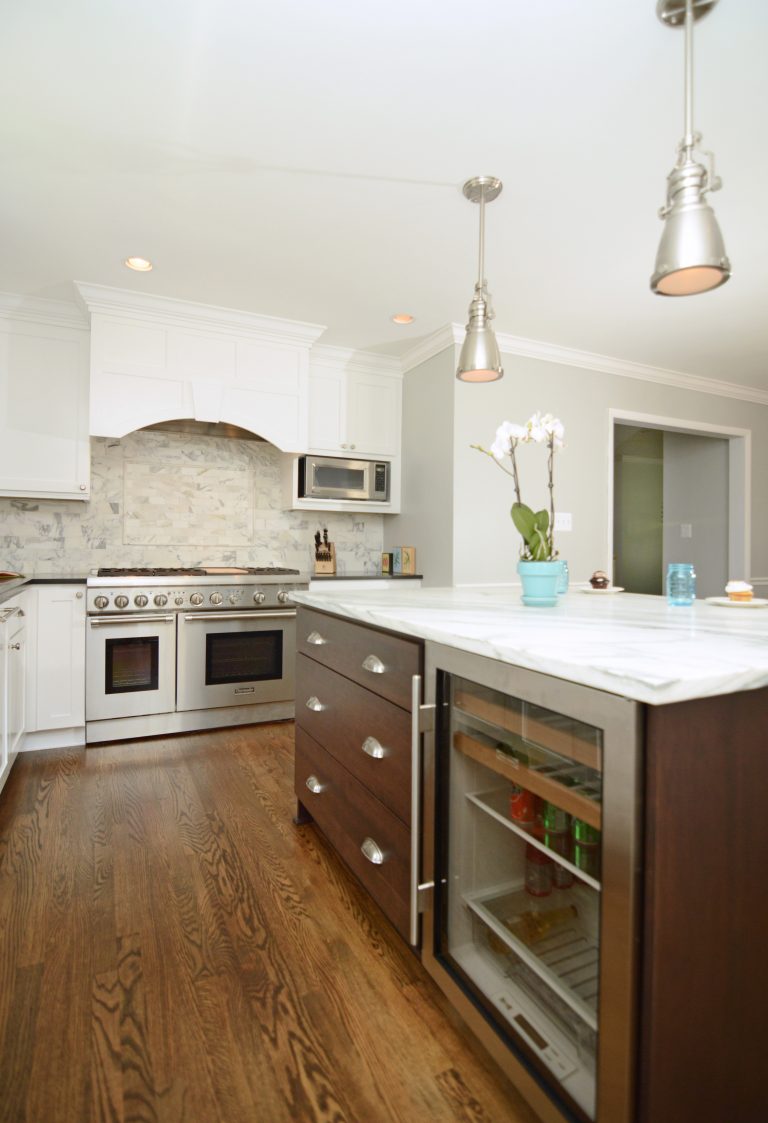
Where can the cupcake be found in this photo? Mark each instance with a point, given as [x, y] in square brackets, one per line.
[739, 590]
[599, 580]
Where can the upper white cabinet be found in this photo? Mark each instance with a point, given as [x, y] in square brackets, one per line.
[154, 359]
[44, 443]
[354, 404]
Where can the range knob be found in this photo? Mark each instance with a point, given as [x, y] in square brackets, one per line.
[196, 598]
[140, 601]
[283, 597]
[121, 601]
[161, 599]
[232, 598]
[216, 598]
[259, 598]
[179, 599]
[101, 602]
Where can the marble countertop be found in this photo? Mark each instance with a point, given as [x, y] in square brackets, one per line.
[636, 646]
[13, 584]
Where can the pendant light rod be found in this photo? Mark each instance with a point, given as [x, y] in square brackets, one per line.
[480, 360]
[689, 141]
[481, 259]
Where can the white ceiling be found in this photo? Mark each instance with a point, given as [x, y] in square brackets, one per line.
[305, 160]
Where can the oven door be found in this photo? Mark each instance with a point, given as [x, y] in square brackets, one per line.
[235, 658]
[131, 666]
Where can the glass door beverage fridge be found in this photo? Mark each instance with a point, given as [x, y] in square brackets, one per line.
[529, 849]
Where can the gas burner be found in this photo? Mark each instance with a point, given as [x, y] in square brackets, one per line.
[138, 572]
[272, 569]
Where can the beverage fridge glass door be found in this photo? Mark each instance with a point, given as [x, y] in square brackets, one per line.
[519, 921]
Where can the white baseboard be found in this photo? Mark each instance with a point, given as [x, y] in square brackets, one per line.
[54, 739]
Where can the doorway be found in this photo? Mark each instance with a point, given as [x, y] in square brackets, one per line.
[679, 494]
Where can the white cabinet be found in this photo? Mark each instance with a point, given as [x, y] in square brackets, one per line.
[154, 359]
[353, 411]
[13, 655]
[56, 680]
[44, 442]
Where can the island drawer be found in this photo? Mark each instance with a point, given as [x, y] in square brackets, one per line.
[367, 734]
[381, 662]
[355, 823]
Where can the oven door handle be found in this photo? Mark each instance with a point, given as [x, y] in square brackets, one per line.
[149, 618]
[253, 614]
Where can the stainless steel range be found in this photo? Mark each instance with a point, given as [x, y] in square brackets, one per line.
[170, 650]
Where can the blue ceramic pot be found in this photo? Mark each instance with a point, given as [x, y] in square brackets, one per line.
[540, 580]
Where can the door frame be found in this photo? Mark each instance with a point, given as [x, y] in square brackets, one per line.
[739, 478]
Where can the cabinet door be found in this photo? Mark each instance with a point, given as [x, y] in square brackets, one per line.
[17, 654]
[60, 657]
[373, 411]
[44, 444]
[327, 410]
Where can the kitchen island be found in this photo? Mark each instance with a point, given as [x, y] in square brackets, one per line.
[690, 684]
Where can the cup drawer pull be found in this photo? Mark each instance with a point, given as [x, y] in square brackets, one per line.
[373, 664]
[373, 852]
[316, 639]
[374, 748]
[314, 785]
[315, 704]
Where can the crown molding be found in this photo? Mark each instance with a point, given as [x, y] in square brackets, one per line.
[359, 362]
[35, 309]
[127, 303]
[453, 334]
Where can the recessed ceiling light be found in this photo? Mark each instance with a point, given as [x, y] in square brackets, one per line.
[140, 264]
[402, 318]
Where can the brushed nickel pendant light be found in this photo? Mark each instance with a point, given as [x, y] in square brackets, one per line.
[691, 257]
[480, 360]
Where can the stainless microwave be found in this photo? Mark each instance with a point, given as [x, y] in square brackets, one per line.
[328, 477]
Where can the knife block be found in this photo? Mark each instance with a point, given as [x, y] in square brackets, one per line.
[325, 560]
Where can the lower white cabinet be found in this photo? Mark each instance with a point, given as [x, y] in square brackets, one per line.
[13, 656]
[56, 680]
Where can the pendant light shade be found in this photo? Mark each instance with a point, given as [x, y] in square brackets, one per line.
[480, 360]
[691, 257]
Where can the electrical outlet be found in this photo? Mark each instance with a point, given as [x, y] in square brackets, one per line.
[563, 520]
[686, 530]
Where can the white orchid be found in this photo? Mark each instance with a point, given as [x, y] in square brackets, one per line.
[535, 527]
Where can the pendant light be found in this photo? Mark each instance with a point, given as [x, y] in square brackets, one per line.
[691, 257]
[480, 360]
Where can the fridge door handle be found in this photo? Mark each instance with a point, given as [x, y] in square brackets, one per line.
[422, 721]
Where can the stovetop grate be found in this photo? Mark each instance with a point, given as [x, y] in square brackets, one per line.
[265, 570]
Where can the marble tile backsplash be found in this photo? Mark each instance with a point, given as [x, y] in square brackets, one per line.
[168, 499]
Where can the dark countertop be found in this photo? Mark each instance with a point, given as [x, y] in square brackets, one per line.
[366, 576]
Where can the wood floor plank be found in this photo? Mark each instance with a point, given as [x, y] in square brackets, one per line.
[198, 958]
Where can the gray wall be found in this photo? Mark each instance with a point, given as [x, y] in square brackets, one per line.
[485, 544]
[696, 492]
[170, 499]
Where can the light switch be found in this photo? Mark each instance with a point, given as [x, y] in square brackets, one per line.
[563, 520]
[686, 530]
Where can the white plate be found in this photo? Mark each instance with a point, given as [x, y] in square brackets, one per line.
[602, 592]
[726, 602]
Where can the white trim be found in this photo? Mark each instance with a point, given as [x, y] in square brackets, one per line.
[60, 313]
[358, 362]
[739, 479]
[453, 334]
[54, 739]
[130, 304]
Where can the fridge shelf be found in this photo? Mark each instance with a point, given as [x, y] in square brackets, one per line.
[494, 802]
[566, 958]
[482, 749]
[560, 737]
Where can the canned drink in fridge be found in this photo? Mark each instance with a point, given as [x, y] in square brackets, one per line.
[560, 844]
[584, 833]
[522, 806]
[555, 819]
[587, 858]
[538, 872]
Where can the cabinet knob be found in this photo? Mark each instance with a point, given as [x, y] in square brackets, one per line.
[83, 487]
[315, 704]
[374, 748]
[14, 647]
[316, 639]
[343, 446]
[314, 785]
[373, 852]
[373, 664]
[353, 446]
[79, 596]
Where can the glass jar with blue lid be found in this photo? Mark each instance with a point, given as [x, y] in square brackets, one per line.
[681, 583]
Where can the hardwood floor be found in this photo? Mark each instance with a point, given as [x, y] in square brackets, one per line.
[173, 948]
